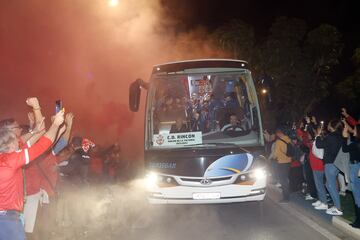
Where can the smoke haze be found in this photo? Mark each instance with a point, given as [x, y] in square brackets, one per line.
[122, 212]
[87, 53]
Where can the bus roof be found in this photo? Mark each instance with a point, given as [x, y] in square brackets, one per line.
[199, 63]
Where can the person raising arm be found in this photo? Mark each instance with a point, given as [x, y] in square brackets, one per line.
[353, 148]
[349, 119]
[11, 178]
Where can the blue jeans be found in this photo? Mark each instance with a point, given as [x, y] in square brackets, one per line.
[275, 172]
[355, 182]
[320, 185]
[331, 173]
[283, 170]
[11, 226]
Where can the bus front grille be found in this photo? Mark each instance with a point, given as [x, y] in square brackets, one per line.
[200, 179]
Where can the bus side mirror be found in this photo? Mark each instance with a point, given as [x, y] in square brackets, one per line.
[134, 96]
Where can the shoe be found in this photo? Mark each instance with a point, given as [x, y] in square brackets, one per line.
[278, 185]
[322, 206]
[342, 193]
[334, 211]
[356, 223]
[308, 197]
[317, 203]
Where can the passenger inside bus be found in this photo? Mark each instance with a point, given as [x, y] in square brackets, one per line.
[236, 127]
[199, 122]
[189, 106]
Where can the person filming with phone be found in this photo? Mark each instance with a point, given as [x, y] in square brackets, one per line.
[353, 147]
[12, 159]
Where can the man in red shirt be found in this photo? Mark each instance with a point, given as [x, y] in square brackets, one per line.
[11, 179]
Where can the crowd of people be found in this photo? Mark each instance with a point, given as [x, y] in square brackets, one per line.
[40, 167]
[322, 160]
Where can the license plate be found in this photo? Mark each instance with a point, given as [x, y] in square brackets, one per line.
[206, 196]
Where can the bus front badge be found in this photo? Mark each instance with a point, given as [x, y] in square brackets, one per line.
[205, 181]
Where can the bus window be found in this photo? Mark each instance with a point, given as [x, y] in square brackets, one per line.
[217, 105]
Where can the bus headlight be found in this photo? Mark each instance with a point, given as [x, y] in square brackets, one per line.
[250, 177]
[259, 174]
[151, 179]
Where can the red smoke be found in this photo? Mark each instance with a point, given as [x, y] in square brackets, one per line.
[86, 54]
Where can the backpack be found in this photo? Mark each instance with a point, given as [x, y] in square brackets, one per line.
[290, 149]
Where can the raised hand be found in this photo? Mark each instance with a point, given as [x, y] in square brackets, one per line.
[59, 118]
[69, 118]
[33, 102]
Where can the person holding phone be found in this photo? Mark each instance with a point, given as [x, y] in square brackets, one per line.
[354, 149]
[317, 167]
[331, 145]
[12, 159]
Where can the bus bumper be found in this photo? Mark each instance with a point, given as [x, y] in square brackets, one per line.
[205, 195]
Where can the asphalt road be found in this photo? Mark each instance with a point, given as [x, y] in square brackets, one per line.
[125, 214]
[249, 220]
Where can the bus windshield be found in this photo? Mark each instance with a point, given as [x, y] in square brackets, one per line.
[195, 109]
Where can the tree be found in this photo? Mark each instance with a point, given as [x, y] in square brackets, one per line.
[323, 48]
[299, 61]
[237, 38]
[283, 60]
[350, 87]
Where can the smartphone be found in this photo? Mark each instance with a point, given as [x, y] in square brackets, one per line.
[58, 106]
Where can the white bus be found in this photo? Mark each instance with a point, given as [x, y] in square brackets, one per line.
[203, 133]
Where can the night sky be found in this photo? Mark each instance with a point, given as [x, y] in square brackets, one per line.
[261, 14]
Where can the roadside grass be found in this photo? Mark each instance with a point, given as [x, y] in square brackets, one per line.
[347, 205]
